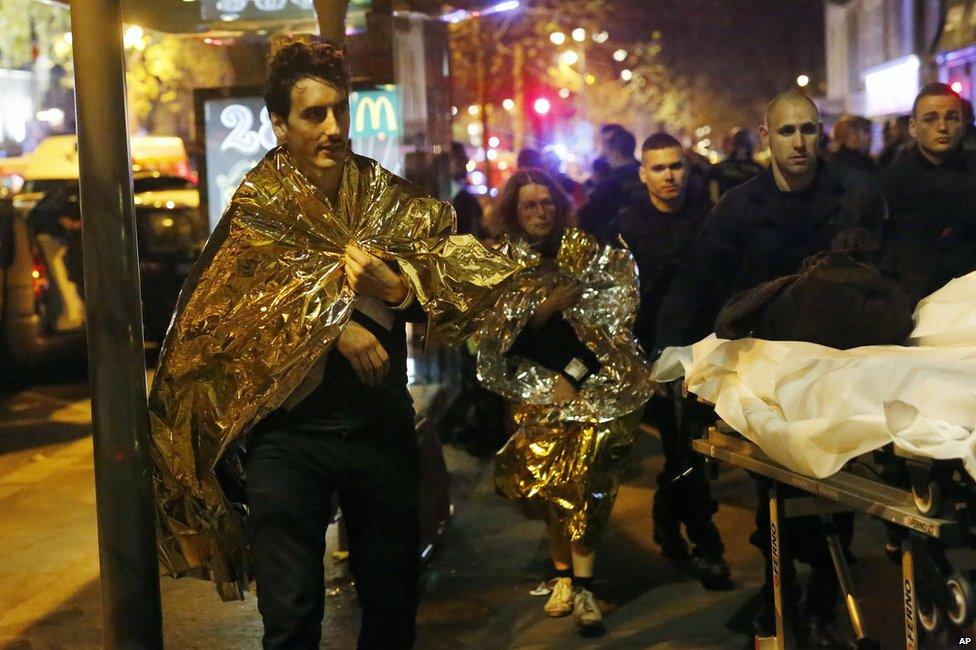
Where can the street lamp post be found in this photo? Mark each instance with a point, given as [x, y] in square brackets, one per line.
[482, 99]
[584, 95]
[480, 81]
[128, 566]
[518, 112]
[576, 56]
[579, 35]
[331, 16]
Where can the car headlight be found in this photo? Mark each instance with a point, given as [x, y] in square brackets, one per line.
[169, 231]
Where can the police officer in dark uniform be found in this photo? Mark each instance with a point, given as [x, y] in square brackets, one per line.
[759, 231]
[738, 168]
[659, 227]
[852, 136]
[610, 196]
[931, 194]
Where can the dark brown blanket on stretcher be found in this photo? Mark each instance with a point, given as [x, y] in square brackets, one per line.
[833, 300]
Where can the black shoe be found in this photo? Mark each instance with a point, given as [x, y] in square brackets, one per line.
[714, 573]
[480, 448]
[818, 632]
[673, 545]
[764, 621]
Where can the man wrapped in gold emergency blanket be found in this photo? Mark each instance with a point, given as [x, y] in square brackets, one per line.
[265, 302]
[564, 460]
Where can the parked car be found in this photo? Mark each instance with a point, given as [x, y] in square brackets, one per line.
[41, 282]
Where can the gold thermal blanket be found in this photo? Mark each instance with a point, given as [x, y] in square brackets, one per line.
[565, 460]
[264, 303]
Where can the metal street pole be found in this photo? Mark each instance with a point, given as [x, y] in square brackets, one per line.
[482, 97]
[583, 96]
[117, 373]
[518, 64]
[331, 16]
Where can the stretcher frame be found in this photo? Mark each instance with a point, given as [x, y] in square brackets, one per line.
[842, 492]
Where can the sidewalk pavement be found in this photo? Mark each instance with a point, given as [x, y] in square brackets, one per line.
[475, 589]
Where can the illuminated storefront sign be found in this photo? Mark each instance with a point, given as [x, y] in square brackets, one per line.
[375, 112]
[251, 10]
[890, 88]
[257, 9]
[238, 133]
[16, 105]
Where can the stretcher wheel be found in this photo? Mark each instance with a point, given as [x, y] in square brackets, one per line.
[929, 502]
[961, 613]
[931, 618]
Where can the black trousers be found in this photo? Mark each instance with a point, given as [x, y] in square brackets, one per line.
[684, 495]
[292, 471]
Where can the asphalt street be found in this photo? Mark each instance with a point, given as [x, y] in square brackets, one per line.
[475, 588]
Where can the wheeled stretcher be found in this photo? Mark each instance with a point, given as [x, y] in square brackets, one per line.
[805, 411]
[938, 604]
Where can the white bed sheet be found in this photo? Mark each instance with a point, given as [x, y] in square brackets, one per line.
[813, 408]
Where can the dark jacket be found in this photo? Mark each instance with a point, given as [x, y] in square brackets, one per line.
[45, 217]
[660, 243]
[892, 153]
[932, 223]
[341, 401]
[469, 213]
[855, 159]
[757, 233]
[607, 199]
[732, 172]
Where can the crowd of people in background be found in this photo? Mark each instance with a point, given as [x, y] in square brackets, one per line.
[701, 234]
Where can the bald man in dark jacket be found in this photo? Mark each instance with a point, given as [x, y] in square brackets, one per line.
[759, 231]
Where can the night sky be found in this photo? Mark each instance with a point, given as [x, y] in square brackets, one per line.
[742, 51]
[738, 53]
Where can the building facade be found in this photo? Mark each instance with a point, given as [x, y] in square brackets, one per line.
[880, 52]
[956, 49]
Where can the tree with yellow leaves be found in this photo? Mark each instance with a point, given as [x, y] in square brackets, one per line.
[29, 28]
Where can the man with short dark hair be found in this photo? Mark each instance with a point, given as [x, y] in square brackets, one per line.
[896, 140]
[324, 440]
[659, 227]
[931, 194]
[757, 232]
[607, 198]
[528, 159]
[659, 224]
[291, 332]
[852, 137]
[466, 206]
[737, 168]
[604, 133]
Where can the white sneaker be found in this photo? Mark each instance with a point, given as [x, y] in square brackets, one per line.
[586, 611]
[560, 601]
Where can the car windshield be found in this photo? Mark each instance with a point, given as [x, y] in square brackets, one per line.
[139, 184]
[159, 183]
[42, 186]
[170, 231]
